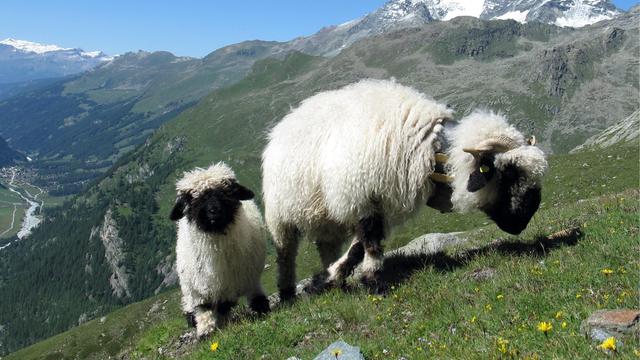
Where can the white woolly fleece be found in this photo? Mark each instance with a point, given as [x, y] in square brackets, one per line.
[470, 132]
[198, 180]
[327, 160]
[219, 267]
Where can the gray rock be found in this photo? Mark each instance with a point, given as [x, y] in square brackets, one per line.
[340, 350]
[429, 244]
[603, 324]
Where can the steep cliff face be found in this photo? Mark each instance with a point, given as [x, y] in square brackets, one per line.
[115, 256]
[625, 131]
[562, 67]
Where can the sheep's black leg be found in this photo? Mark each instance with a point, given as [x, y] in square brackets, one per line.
[370, 232]
[286, 241]
[343, 267]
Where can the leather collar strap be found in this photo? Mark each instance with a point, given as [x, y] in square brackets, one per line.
[440, 174]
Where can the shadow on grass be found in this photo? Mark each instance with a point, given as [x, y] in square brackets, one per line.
[399, 267]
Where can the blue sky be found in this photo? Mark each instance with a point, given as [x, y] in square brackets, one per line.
[187, 27]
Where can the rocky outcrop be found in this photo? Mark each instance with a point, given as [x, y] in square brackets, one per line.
[626, 130]
[167, 269]
[114, 256]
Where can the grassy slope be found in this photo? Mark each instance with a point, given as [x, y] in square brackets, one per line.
[535, 284]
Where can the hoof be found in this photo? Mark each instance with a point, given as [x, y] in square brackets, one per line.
[373, 282]
[287, 295]
[260, 305]
[320, 283]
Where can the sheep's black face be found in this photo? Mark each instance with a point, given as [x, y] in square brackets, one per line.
[214, 209]
[516, 201]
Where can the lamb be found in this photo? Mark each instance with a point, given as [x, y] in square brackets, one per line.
[220, 250]
[356, 161]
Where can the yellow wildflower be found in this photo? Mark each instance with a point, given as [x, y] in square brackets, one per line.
[606, 271]
[559, 315]
[636, 352]
[578, 296]
[500, 297]
[564, 325]
[336, 352]
[545, 327]
[214, 346]
[502, 345]
[608, 344]
[488, 307]
[473, 319]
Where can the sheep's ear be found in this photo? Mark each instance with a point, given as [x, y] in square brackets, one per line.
[240, 192]
[178, 209]
[483, 173]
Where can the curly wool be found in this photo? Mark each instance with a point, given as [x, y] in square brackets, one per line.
[471, 131]
[219, 267]
[341, 150]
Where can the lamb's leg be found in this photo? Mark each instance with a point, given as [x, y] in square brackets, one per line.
[205, 320]
[285, 239]
[223, 311]
[370, 231]
[258, 302]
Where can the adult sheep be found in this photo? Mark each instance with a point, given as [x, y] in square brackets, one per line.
[220, 251]
[357, 160]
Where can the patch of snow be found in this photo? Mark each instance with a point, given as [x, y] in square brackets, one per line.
[519, 16]
[582, 14]
[29, 46]
[455, 8]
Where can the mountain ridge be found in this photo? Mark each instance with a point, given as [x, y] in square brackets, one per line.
[22, 60]
[398, 14]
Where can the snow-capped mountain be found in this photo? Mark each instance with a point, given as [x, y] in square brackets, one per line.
[22, 60]
[396, 14]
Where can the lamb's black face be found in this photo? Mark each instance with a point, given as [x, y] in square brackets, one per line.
[516, 203]
[214, 209]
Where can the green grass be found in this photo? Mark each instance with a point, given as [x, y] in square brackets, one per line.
[439, 312]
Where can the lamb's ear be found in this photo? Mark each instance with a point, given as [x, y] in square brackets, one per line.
[483, 173]
[240, 192]
[178, 209]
